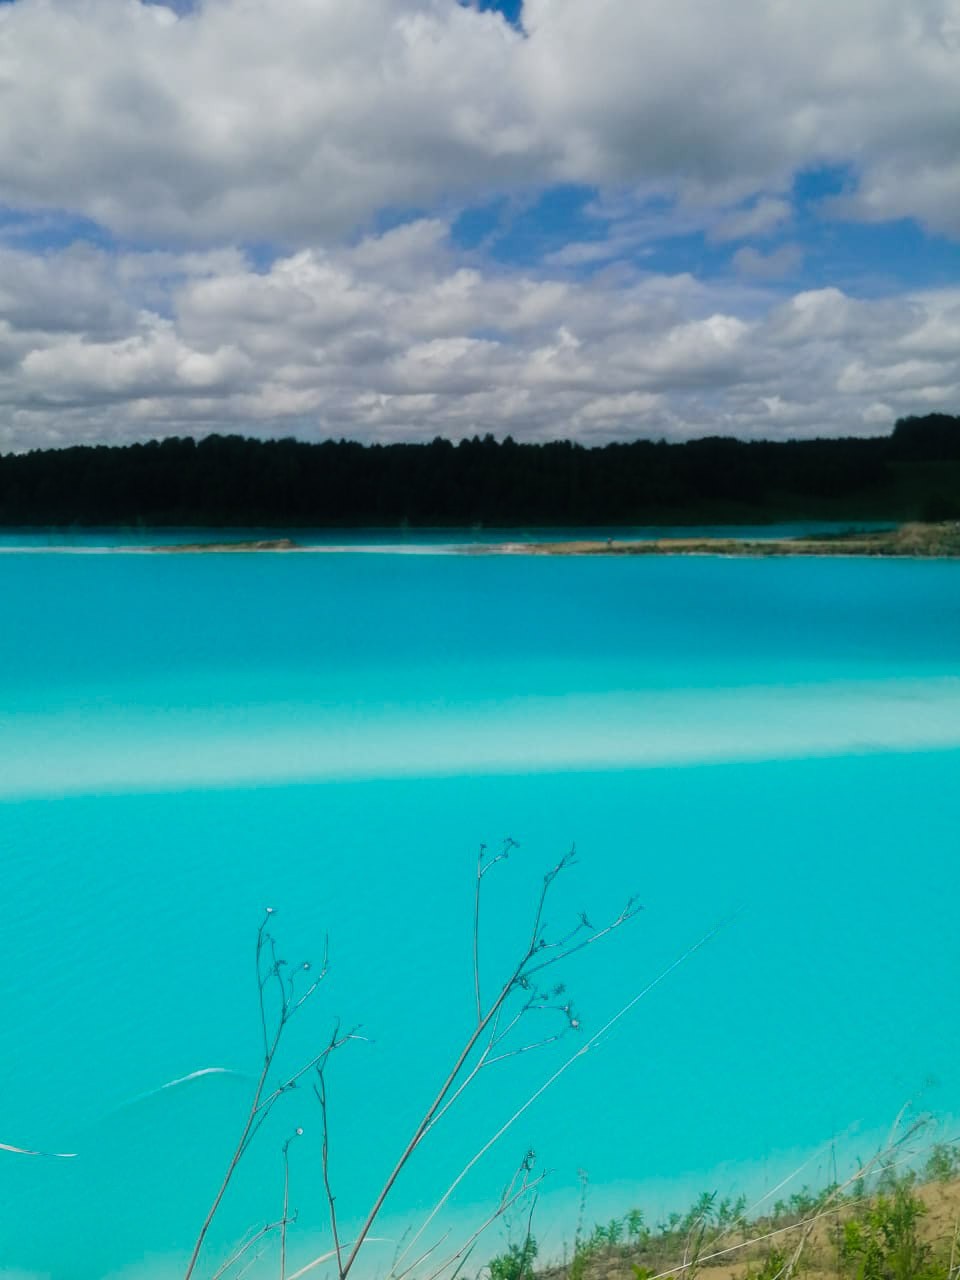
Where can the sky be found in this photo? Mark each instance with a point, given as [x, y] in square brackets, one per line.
[396, 219]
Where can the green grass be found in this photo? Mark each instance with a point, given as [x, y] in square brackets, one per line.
[883, 1226]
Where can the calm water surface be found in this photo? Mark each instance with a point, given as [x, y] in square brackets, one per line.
[186, 740]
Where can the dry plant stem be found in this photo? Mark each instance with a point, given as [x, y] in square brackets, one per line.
[285, 1218]
[482, 869]
[551, 1079]
[691, 1257]
[461, 1264]
[476, 935]
[767, 1195]
[260, 1106]
[805, 1224]
[519, 977]
[249, 1266]
[231, 1169]
[830, 1204]
[745, 1244]
[328, 1256]
[421, 1258]
[320, 1089]
[467, 1247]
[497, 1037]
[244, 1248]
[511, 1194]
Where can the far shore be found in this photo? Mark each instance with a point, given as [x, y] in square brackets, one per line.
[929, 540]
[256, 544]
[940, 540]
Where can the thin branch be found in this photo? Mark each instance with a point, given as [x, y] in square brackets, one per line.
[496, 1038]
[235, 1257]
[472, 1239]
[476, 935]
[425, 1124]
[231, 1167]
[525, 1048]
[566, 861]
[565, 1066]
[259, 950]
[315, 1061]
[269, 973]
[285, 1218]
[320, 1090]
[394, 1275]
[461, 1061]
[462, 1263]
[628, 913]
[508, 1198]
[509, 844]
[330, 1254]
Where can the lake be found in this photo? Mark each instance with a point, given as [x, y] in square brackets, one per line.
[770, 749]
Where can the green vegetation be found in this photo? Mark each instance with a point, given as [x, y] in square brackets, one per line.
[229, 481]
[895, 1226]
[943, 1163]
[502, 1009]
[912, 539]
[882, 1242]
[516, 1263]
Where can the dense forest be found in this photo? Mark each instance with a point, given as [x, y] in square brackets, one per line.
[221, 481]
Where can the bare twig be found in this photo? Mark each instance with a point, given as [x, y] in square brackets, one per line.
[510, 1196]
[235, 1257]
[271, 976]
[476, 935]
[320, 1089]
[561, 1070]
[467, 1247]
[285, 1218]
[487, 1033]
[483, 867]
[518, 979]
[329, 1255]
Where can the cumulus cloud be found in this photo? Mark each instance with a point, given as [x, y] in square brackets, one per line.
[398, 337]
[762, 218]
[236, 120]
[183, 132]
[768, 266]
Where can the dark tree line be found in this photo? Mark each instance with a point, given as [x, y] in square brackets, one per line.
[231, 480]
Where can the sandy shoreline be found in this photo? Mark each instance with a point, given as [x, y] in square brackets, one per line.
[880, 545]
[940, 541]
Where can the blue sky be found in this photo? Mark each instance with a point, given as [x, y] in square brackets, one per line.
[399, 218]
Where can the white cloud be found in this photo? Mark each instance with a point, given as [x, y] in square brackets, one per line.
[64, 292]
[240, 120]
[762, 218]
[723, 102]
[774, 265]
[398, 337]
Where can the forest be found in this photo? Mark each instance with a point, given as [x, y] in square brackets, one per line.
[223, 481]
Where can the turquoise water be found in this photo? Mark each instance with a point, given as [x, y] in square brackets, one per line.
[184, 741]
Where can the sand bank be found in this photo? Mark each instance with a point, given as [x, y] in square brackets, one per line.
[933, 540]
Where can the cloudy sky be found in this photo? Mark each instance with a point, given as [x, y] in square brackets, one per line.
[392, 219]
